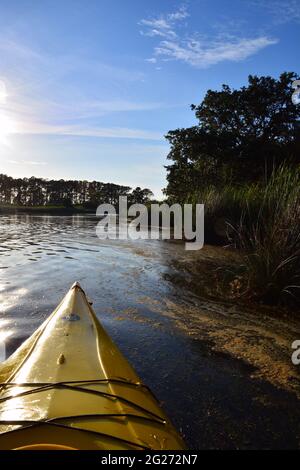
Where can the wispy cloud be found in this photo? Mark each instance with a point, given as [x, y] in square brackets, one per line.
[28, 117]
[164, 25]
[202, 55]
[40, 83]
[21, 56]
[32, 108]
[178, 15]
[158, 28]
[44, 99]
[280, 11]
[26, 162]
[19, 49]
[178, 45]
[98, 108]
[39, 128]
[53, 118]
[151, 60]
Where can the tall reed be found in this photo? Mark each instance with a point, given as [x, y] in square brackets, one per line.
[263, 221]
[269, 236]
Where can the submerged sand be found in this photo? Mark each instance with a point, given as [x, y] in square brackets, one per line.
[256, 334]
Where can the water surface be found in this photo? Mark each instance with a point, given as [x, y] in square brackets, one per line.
[210, 397]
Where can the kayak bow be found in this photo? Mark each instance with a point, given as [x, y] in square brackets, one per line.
[69, 387]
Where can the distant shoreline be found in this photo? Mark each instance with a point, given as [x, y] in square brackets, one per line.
[57, 210]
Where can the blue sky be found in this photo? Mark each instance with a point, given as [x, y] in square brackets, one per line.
[89, 88]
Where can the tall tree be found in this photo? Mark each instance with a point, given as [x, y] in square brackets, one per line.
[140, 196]
[241, 135]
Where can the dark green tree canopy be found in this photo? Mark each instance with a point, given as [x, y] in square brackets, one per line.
[140, 196]
[241, 136]
[42, 192]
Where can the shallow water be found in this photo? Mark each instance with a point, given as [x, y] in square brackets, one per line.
[210, 397]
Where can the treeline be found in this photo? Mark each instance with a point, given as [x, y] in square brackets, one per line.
[32, 192]
[242, 160]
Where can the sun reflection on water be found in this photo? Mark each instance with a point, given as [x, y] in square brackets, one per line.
[5, 333]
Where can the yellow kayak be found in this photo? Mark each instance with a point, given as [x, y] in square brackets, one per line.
[69, 387]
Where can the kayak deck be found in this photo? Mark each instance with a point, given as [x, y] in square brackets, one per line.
[69, 385]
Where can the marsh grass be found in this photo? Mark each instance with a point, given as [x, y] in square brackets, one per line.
[270, 238]
[263, 221]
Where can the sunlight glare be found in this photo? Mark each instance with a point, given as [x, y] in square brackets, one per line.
[3, 92]
[7, 125]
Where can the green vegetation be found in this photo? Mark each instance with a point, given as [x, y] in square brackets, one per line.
[242, 162]
[270, 238]
[263, 221]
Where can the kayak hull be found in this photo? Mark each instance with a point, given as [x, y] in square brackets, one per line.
[69, 386]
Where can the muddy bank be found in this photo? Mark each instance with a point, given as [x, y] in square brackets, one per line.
[260, 336]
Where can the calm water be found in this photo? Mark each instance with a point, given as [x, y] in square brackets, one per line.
[210, 397]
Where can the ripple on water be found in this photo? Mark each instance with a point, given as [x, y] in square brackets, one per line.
[126, 281]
